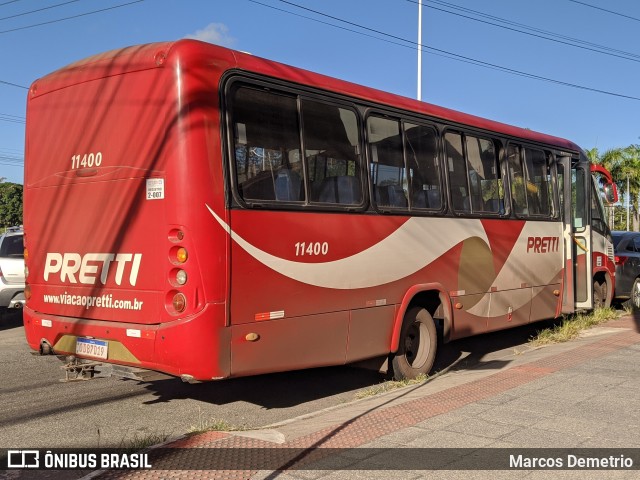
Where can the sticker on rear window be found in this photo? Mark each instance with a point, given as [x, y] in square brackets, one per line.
[155, 188]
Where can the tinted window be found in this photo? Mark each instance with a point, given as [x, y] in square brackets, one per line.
[474, 174]
[403, 166]
[616, 238]
[12, 247]
[422, 164]
[531, 181]
[268, 128]
[387, 169]
[267, 146]
[517, 177]
[458, 181]
[539, 186]
[482, 167]
[597, 214]
[331, 151]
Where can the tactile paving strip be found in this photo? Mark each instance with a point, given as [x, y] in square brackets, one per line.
[373, 424]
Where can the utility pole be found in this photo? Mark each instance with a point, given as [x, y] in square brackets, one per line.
[628, 202]
[419, 50]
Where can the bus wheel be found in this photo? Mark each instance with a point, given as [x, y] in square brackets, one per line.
[418, 344]
[599, 294]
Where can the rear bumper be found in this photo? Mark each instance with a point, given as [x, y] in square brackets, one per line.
[197, 346]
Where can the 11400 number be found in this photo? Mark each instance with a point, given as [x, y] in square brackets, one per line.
[87, 160]
[311, 248]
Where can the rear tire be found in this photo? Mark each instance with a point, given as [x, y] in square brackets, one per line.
[418, 344]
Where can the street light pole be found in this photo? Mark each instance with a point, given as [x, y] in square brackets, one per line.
[419, 50]
[628, 202]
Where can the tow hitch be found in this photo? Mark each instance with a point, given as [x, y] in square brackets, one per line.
[76, 369]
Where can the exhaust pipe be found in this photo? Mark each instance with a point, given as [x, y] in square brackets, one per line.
[45, 347]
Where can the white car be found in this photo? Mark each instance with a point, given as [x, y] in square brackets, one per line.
[12, 268]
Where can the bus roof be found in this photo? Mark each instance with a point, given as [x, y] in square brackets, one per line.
[163, 54]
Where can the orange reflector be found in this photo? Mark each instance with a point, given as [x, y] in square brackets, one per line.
[27, 292]
[252, 337]
[181, 255]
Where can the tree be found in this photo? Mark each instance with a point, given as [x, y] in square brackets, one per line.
[624, 165]
[10, 204]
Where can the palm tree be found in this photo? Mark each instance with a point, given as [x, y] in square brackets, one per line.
[624, 165]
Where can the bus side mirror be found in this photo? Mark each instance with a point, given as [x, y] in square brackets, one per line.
[610, 193]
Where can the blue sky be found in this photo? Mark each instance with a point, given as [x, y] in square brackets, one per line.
[381, 61]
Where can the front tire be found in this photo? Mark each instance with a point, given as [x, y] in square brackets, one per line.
[599, 295]
[418, 344]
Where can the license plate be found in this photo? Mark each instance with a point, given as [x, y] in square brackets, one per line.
[90, 347]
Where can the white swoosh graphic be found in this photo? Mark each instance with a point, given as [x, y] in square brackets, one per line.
[413, 246]
[520, 266]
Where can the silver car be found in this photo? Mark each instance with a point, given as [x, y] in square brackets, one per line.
[12, 268]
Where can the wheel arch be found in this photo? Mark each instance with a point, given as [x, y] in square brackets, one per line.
[431, 296]
[601, 275]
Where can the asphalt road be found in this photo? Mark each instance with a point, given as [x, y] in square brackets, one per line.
[37, 410]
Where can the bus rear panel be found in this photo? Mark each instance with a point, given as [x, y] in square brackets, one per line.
[118, 160]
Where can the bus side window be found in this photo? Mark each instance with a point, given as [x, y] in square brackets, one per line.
[518, 180]
[387, 170]
[597, 214]
[422, 163]
[484, 175]
[457, 173]
[539, 184]
[331, 143]
[266, 146]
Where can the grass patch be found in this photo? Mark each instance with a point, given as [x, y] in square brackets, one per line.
[389, 386]
[571, 326]
[214, 425]
[142, 441]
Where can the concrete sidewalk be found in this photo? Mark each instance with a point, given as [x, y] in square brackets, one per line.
[583, 394]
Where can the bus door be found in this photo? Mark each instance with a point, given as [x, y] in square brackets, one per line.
[578, 271]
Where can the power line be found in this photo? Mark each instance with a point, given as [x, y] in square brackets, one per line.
[534, 32]
[38, 10]
[7, 3]
[605, 10]
[71, 17]
[12, 118]
[11, 160]
[14, 84]
[53, 21]
[441, 52]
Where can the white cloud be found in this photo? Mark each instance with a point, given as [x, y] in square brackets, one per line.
[216, 33]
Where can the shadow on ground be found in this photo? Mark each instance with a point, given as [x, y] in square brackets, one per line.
[284, 390]
[10, 318]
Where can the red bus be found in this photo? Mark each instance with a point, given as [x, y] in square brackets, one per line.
[206, 213]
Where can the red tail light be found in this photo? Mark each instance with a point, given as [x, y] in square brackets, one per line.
[620, 260]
